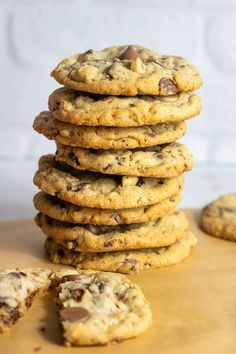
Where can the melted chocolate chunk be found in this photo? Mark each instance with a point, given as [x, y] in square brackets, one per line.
[77, 294]
[117, 218]
[159, 156]
[70, 277]
[94, 229]
[129, 54]
[108, 244]
[74, 314]
[17, 274]
[167, 86]
[78, 187]
[130, 260]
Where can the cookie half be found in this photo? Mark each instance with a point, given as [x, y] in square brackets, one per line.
[219, 217]
[107, 137]
[127, 70]
[98, 308]
[161, 161]
[65, 211]
[90, 238]
[129, 262]
[18, 287]
[82, 108]
[96, 190]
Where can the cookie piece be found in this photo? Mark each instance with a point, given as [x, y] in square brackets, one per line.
[96, 190]
[107, 137]
[18, 287]
[161, 161]
[115, 111]
[98, 308]
[127, 70]
[219, 217]
[93, 238]
[64, 211]
[129, 262]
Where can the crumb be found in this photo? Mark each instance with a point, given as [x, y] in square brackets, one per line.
[37, 349]
[42, 329]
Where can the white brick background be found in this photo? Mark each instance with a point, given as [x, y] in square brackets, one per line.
[36, 34]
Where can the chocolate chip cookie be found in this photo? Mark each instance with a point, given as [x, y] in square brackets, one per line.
[129, 262]
[161, 161]
[127, 70]
[102, 238]
[107, 137]
[96, 190]
[65, 211]
[97, 308]
[81, 108]
[219, 217]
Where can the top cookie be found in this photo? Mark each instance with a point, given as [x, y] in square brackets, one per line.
[118, 111]
[127, 70]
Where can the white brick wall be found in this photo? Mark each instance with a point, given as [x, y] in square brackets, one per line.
[36, 34]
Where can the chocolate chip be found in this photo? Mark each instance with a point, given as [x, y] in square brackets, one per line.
[118, 160]
[101, 287]
[78, 187]
[107, 167]
[146, 208]
[96, 230]
[130, 260]
[77, 294]
[17, 274]
[74, 243]
[141, 182]
[74, 314]
[159, 156]
[167, 86]
[117, 218]
[108, 244]
[129, 54]
[70, 277]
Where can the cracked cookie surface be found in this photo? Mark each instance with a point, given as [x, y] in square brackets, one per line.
[64, 211]
[219, 217]
[107, 137]
[127, 70]
[93, 238]
[81, 108]
[94, 190]
[97, 308]
[129, 262]
[162, 161]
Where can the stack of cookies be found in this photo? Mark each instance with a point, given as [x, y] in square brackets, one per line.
[109, 194]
